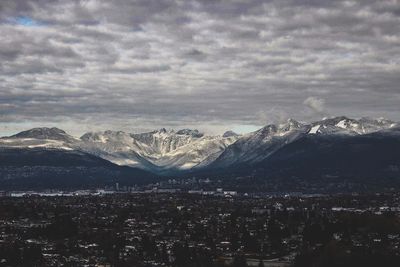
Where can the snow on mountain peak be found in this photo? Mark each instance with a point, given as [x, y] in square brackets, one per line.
[282, 129]
[44, 137]
[290, 125]
[188, 148]
[45, 133]
[344, 125]
[103, 137]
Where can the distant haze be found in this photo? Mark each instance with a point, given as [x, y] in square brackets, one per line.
[211, 65]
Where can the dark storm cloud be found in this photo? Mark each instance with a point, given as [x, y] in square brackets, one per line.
[216, 64]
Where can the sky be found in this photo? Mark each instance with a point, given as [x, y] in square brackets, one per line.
[213, 65]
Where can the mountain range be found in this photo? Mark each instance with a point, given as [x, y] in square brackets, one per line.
[341, 149]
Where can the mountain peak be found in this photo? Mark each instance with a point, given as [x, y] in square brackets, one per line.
[345, 125]
[334, 120]
[290, 125]
[230, 134]
[104, 136]
[159, 131]
[267, 130]
[292, 121]
[194, 133]
[45, 133]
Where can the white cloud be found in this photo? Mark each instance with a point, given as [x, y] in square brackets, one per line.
[316, 104]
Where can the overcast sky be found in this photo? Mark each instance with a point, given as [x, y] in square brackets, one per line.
[212, 65]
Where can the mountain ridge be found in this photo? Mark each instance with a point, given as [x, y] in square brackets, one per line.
[169, 151]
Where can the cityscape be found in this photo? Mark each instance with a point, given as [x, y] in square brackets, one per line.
[192, 229]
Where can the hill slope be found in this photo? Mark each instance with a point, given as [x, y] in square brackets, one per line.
[326, 162]
[54, 168]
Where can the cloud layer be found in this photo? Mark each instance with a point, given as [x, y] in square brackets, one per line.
[220, 64]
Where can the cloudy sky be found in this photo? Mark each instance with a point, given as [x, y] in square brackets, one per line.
[213, 65]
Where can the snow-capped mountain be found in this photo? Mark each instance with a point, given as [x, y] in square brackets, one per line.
[164, 150]
[195, 153]
[161, 142]
[40, 138]
[156, 150]
[258, 145]
[45, 134]
[116, 146]
[344, 125]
